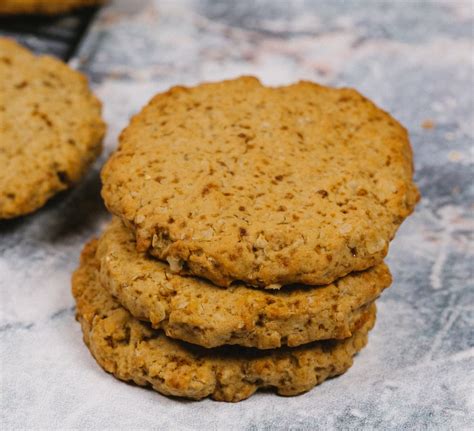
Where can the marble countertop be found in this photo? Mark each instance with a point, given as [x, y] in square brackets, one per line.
[414, 59]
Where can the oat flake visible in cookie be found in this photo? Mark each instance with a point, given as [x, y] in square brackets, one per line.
[50, 128]
[271, 186]
[199, 312]
[132, 351]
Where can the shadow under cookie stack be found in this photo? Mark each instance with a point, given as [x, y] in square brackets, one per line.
[247, 244]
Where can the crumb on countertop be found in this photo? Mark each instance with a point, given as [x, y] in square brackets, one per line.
[428, 124]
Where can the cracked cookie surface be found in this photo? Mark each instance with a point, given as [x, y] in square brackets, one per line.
[133, 351]
[50, 128]
[49, 7]
[270, 186]
[199, 312]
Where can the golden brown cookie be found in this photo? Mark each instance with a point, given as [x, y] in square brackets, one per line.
[270, 186]
[133, 351]
[49, 7]
[196, 311]
[50, 128]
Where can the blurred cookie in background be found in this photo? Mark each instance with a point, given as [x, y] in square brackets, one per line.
[51, 128]
[49, 7]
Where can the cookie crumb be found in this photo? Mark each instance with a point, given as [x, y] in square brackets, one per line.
[428, 124]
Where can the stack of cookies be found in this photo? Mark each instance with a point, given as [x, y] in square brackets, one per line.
[248, 240]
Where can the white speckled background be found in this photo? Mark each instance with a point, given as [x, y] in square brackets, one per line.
[413, 58]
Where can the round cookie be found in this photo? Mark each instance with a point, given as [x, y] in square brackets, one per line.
[50, 128]
[270, 186]
[133, 351]
[49, 7]
[196, 311]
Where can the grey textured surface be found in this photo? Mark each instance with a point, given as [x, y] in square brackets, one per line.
[413, 58]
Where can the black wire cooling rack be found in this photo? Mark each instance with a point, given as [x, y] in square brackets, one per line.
[57, 35]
